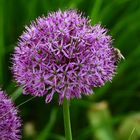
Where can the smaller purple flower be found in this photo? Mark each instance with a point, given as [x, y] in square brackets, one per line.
[10, 122]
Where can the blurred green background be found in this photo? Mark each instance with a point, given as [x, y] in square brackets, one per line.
[113, 111]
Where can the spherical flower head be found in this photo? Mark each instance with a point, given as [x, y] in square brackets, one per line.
[9, 120]
[64, 54]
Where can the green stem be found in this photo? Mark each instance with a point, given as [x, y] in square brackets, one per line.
[67, 123]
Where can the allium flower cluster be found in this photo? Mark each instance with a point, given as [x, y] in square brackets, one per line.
[62, 53]
[9, 120]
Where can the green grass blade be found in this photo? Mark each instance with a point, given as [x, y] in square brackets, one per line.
[95, 11]
[16, 94]
[2, 48]
[47, 130]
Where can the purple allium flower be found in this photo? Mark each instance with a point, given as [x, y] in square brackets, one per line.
[10, 122]
[62, 53]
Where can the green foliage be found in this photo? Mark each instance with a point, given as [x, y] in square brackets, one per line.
[130, 128]
[121, 17]
[100, 120]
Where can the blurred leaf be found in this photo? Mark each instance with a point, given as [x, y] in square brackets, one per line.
[95, 12]
[57, 137]
[126, 20]
[130, 124]
[16, 93]
[47, 130]
[2, 46]
[100, 120]
[74, 3]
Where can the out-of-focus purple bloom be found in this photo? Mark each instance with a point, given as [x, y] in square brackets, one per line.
[63, 53]
[10, 122]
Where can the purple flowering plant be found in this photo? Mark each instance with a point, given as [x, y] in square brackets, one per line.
[64, 54]
[10, 121]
